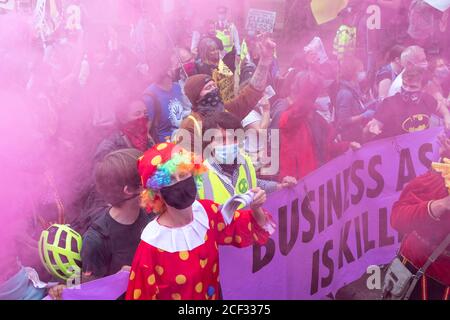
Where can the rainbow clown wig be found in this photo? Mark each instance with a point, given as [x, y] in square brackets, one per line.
[156, 168]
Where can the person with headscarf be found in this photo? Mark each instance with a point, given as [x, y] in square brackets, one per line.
[205, 97]
[131, 132]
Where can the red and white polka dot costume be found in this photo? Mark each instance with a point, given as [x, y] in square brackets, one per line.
[183, 263]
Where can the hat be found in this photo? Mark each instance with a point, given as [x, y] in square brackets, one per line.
[159, 163]
[148, 163]
[156, 168]
[194, 85]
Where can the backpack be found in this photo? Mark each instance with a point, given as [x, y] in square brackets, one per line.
[101, 227]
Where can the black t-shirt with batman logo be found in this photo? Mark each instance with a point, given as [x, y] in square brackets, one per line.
[400, 115]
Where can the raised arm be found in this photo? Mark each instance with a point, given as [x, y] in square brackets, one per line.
[250, 95]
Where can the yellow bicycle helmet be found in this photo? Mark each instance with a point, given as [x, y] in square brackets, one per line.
[59, 250]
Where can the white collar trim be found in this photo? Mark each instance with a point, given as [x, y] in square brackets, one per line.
[185, 238]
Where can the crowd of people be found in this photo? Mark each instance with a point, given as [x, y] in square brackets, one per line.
[109, 130]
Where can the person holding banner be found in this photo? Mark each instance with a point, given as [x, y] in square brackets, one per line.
[307, 141]
[407, 111]
[177, 258]
[352, 110]
[231, 170]
[422, 215]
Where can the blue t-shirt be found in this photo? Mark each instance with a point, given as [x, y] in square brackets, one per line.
[174, 108]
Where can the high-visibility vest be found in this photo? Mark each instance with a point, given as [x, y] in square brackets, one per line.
[226, 36]
[244, 50]
[345, 41]
[213, 187]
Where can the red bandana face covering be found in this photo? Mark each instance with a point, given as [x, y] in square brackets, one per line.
[137, 132]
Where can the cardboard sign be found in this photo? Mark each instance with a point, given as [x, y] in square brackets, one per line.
[260, 20]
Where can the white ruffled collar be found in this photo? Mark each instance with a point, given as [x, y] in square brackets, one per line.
[185, 238]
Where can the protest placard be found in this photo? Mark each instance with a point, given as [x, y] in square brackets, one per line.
[260, 21]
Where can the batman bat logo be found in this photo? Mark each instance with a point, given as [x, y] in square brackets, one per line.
[417, 122]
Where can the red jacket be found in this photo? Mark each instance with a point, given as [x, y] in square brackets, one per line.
[410, 217]
[307, 142]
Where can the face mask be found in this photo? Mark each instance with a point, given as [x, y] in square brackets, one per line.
[226, 154]
[211, 103]
[411, 96]
[137, 132]
[180, 195]
[212, 98]
[442, 73]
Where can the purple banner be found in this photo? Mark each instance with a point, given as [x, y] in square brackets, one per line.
[108, 288]
[332, 226]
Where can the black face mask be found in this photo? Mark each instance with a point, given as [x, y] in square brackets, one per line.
[211, 103]
[181, 195]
